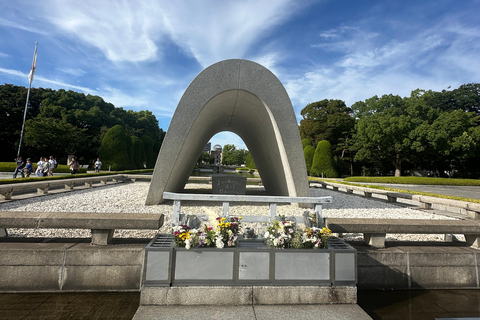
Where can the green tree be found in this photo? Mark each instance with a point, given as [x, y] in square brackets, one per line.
[383, 131]
[114, 149]
[57, 138]
[206, 158]
[323, 162]
[326, 120]
[232, 155]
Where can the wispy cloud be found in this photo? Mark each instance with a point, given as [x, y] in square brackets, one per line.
[367, 64]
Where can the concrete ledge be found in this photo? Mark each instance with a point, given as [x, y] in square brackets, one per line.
[70, 266]
[247, 295]
[304, 312]
[418, 267]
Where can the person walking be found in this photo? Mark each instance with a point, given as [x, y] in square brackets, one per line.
[39, 171]
[20, 165]
[53, 165]
[98, 165]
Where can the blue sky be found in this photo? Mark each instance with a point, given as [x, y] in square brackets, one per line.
[142, 54]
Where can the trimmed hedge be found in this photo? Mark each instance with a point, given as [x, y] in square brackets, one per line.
[323, 163]
[148, 145]
[114, 150]
[138, 152]
[306, 142]
[308, 153]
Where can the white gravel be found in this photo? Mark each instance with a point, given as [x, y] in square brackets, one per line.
[131, 198]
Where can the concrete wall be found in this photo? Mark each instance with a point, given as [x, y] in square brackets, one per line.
[79, 266]
[417, 267]
[70, 267]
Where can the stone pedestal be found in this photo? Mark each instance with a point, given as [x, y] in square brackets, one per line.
[229, 184]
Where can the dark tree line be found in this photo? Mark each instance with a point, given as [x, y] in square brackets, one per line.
[434, 132]
[61, 122]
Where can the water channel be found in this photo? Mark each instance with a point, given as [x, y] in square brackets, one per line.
[391, 305]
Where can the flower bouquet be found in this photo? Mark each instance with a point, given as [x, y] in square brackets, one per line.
[192, 238]
[316, 237]
[225, 235]
[284, 234]
[227, 232]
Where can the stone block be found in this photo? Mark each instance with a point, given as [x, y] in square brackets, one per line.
[382, 277]
[443, 257]
[83, 254]
[30, 278]
[389, 257]
[101, 278]
[229, 184]
[210, 295]
[281, 295]
[102, 237]
[443, 277]
[376, 240]
[32, 254]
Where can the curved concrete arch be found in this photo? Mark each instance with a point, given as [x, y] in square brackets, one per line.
[245, 98]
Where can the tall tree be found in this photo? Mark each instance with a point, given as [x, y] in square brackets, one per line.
[383, 131]
[326, 120]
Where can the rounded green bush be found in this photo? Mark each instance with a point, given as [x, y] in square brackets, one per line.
[309, 152]
[323, 163]
[114, 149]
[306, 142]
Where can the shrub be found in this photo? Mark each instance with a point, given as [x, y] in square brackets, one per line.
[306, 142]
[148, 145]
[114, 149]
[138, 151]
[323, 163]
[249, 163]
[308, 153]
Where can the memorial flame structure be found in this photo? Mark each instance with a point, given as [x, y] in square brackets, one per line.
[247, 99]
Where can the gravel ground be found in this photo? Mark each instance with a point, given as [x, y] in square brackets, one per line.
[131, 198]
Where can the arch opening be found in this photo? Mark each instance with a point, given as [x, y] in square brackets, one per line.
[245, 98]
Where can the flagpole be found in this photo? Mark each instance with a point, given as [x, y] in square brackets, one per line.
[30, 78]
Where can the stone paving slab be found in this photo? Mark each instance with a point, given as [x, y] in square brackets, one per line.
[276, 312]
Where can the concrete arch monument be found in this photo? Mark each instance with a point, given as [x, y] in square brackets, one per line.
[247, 99]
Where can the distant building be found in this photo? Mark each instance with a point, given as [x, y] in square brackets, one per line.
[208, 147]
[217, 154]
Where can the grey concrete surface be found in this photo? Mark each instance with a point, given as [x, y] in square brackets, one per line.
[72, 265]
[245, 98]
[472, 192]
[276, 312]
[247, 295]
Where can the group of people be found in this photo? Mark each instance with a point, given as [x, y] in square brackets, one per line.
[44, 168]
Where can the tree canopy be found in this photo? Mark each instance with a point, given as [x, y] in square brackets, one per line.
[60, 122]
[437, 132]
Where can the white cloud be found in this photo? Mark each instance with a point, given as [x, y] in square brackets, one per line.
[433, 58]
[136, 31]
